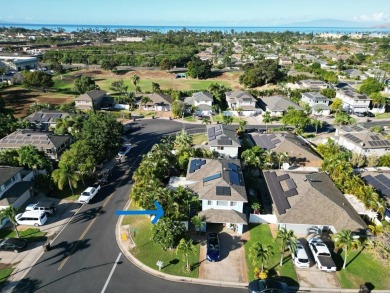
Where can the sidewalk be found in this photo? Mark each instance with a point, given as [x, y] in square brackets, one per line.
[27, 259]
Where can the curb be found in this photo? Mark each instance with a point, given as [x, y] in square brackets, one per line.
[164, 276]
[180, 279]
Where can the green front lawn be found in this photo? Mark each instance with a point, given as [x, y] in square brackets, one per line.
[149, 252]
[31, 234]
[4, 274]
[261, 233]
[218, 118]
[383, 116]
[363, 269]
[198, 138]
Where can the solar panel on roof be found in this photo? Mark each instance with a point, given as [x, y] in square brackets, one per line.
[212, 137]
[223, 190]
[211, 131]
[224, 142]
[218, 127]
[233, 167]
[212, 177]
[370, 143]
[234, 177]
[283, 177]
[380, 177]
[195, 164]
[374, 137]
[218, 132]
[271, 136]
[275, 141]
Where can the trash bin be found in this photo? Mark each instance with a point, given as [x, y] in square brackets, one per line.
[46, 246]
[364, 289]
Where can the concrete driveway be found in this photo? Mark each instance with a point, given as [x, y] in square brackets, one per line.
[231, 267]
[313, 277]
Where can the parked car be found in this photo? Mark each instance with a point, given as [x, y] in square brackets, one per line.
[35, 218]
[124, 150]
[322, 255]
[360, 114]
[268, 286]
[46, 205]
[213, 247]
[369, 114]
[300, 258]
[88, 194]
[13, 244]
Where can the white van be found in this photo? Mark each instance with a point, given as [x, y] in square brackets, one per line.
[36, 218]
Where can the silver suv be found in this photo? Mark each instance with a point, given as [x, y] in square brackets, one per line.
[48, 206]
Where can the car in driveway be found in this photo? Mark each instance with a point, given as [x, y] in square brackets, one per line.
[125, 149]
[213, 247]
[299, 257]
[13, 244]
[267, 286]
[46, 205]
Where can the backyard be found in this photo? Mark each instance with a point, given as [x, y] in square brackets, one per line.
[262, 233]
[148, 252]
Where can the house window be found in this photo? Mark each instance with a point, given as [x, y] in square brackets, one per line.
[209, 202]
[220, 148]
[233, 203]
[222, 203]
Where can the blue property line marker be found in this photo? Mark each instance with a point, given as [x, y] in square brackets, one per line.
[157, 213]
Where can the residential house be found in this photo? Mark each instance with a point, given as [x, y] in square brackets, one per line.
[285, 61]
[362, 141]
[317, 102]
[353, 102]
[312, 84]
[299, 152]
[380, 181]
[46, 119]
[95, 99]
[354, 73]
[242, 103]
[277, 105]
[202, 102]
[221, 189]
[223, 140]
[301, 201]
[15, 187]
[52, 144]
[159, 102]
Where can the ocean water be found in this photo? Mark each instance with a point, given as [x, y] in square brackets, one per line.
[164, 29]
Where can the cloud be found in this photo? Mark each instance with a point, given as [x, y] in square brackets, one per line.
[376, 16]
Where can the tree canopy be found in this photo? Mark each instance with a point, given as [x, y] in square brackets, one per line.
[37, 79]
[261, 73]
[198, 68]
[84, 84]
[371, 85]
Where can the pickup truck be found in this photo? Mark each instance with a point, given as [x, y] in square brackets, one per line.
[322, 255]
[88, 194]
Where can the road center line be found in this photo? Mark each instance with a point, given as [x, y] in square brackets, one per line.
[111, 273]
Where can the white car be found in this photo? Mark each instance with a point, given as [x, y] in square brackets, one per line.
[300, 257]
[124, 150]
[88, 194]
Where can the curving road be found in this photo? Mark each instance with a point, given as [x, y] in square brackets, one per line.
[85, 256]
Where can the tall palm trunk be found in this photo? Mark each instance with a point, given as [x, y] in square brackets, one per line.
[70, 185]
[16, 229]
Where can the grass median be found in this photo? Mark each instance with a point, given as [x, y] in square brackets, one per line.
[149, 252]
[31, 234]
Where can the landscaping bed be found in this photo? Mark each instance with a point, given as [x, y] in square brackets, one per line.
[31, 234]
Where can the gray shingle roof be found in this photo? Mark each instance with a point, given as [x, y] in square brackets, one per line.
[223, 216]
[206, 189]
[317, 202]
[46, 116]
[278, 103]
[159, 98]
[314, 96]
[363, 137]
[239, 96]
[222, 135]
[91, 95]
[16, 190]
[6, 173]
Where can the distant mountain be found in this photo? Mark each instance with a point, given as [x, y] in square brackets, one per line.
[327, 23]
[385, 25]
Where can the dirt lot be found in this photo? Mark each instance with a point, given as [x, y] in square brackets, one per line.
[20, 99]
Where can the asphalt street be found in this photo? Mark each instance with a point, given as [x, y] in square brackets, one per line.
[85, 256]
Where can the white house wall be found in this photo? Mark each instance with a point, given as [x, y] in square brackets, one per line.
[229, 151]
[214, 205]
[263, 219]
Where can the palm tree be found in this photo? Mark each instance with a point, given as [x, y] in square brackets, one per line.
[183, 141]
[267, 119]
[259, 252]
[288, 241]
[186, 247]
[317, 123]
[11, 213]
[64, 174]
[135, 79]
[345, 240]
[378, 99]
[282, 157]
[241, 126]
[145, 100]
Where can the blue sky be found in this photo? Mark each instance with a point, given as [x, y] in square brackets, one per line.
[198, 12]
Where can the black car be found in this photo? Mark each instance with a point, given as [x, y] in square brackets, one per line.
[360, 114]
[369, 114]
[213, 248]
[13, 244]
[268, 286]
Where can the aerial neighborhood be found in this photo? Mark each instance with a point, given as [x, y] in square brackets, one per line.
[268, 153]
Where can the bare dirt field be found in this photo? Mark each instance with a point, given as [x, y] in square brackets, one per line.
[20, 99]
